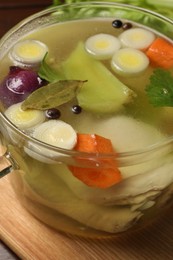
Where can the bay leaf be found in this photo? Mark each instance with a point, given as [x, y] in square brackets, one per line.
[52, 95]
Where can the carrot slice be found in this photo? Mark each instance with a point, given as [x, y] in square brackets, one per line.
[101, 177]
[160, 53]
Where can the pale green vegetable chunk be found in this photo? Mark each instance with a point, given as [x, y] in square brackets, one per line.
[103, 92]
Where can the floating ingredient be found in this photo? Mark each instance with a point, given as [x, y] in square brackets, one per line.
[137, 38]
[102, 87]
[24, 119]
[28, 53]
[129, 61]
[102, 46]
[52, 95]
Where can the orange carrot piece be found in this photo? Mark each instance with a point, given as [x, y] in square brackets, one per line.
[160, 53]
[101, 177]
[92, 143]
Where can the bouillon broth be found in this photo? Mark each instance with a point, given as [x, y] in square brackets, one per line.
[104, 105]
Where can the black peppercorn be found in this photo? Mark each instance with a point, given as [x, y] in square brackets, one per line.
[117, 23]
[53, 113]
[127, 26]
[76, 109]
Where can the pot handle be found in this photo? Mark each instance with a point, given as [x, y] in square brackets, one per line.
[5, 161]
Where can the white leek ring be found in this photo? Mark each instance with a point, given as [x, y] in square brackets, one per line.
[102, 46]
[138, 38]
[28, 53]
[56, 133]
[128, 61]
[24, 119]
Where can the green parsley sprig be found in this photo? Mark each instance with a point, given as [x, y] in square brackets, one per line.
[160, 88]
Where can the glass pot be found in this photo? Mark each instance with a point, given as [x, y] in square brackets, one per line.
[43, 183]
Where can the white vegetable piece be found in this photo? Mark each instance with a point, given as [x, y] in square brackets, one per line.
[28, 53]
[102, 46]
[24, 119]
[129, 61]
[56, 133]
[52, 132]
[39, 154]
[138, 38]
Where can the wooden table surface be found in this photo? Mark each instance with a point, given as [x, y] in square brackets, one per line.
[12, 12]
[151, 246]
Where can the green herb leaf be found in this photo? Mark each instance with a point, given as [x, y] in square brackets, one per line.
[47, 73]
[52, 95]
[160, 88]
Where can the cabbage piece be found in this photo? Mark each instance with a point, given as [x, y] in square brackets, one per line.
[134, 190]
[46, 188]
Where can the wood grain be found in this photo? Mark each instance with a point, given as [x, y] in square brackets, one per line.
[32, 240]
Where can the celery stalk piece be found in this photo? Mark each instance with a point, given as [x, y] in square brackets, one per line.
[103, 92]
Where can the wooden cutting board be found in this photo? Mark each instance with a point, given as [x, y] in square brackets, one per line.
[32, 240]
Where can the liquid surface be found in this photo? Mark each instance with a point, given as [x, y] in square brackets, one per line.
[57, 38]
